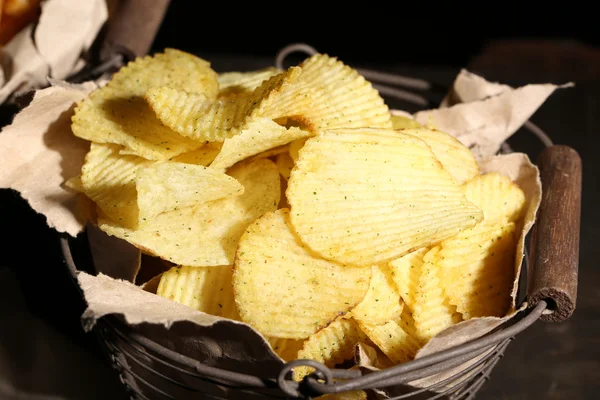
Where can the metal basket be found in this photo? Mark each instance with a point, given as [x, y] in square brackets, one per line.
[153, 368]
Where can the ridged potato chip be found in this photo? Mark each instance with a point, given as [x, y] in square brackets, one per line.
[258, 136]
[206, 289]
[201, 156]
[478, 269]
[287, 349]
[285, 163]
[207, 234]
[406, 272]
[382, 302]
[366, 196]
[283, 290]
[455, 157]
[109, 179]
[75, 183]
[117, 113]
[331, 345]
[497, 196]
[402, 122]
[392, 340]
[166, 185]
[295, 147]
[235, 83]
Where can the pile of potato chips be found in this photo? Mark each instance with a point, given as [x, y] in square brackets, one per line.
[295, 202]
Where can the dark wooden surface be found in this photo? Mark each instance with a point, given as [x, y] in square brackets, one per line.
[40, 334]
[554, 255]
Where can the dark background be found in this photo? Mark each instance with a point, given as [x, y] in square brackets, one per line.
[41, 334]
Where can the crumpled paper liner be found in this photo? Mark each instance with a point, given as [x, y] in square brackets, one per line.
[51, 47]
[38, 152]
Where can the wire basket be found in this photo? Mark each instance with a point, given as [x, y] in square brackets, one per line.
[152, 367]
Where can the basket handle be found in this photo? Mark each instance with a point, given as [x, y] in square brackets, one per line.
[555, 237]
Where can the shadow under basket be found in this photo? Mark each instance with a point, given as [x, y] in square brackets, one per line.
[152, 367]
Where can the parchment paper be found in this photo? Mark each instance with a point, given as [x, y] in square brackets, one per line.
[38, 152]
[51, 47]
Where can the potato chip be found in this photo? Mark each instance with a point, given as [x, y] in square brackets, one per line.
[478, 269]
[201, 156]
[287, 349]
[166, 185]
[455, 157]
[341, 97]
[295, 147]
[284, 291]
[206, 289]
[351, 395]
[258, 136]
[431, 311]
[243, 83]
[75, 183]
[366, 196]
[382, 302]
[271, 152]
[117, 113]
[285, 163]
[207, 234]
[402, 122]
[108, 179]
[392, 340]
[406, 272]
[331, 345]
[497, 196]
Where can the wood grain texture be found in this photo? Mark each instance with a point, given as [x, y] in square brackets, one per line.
[555, 238]
[133, 27]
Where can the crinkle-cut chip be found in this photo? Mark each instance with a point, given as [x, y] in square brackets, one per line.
[382, 302]
[351, 395]
[331, 345]
[258, 136]
[402, 122]
[201, 156]
[406, 272]
[341, 97]
[295, 147]
[271, 152]
[75, 183]
[287, 349]
[243, 83]
[117, 113]
[284, 291]
[285, 163]
[478, 269]
[206, 289]
[392, 340]
[167, 185]
[366, 196]
[108, 179]
[207, 234]
[454, 156]
[194, 117]
[432, 312]
[497, 196]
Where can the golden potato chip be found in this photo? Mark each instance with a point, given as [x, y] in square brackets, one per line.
[287, 349]
[478, 269]
[295, 147]
[258, 136]
[166, 185]
[285, 163]
[331, 345]
[402, 122]
[117, 113]
[206, 289]
[382, 302]
[406, 272]
[193, 116]
[243, 83]
[366, 196]
[271, 152]
[392, 340]
[341, 97]
[108, 178]
[201, 156]
[207, 234]
[497, 196]
[75, 183]
[455, 157]
[351, 395]
[284, 291]
[431, 312]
